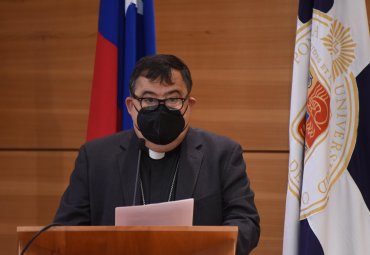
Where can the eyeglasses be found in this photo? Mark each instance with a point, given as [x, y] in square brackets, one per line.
[151, 104]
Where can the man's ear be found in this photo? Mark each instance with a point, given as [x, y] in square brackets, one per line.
[130, 105]
[192, 101]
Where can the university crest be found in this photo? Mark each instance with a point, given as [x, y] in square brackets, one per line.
[324, 123]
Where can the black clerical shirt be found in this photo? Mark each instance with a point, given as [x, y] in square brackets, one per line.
[158, 176]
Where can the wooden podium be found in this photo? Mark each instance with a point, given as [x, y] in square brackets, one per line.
[107, 240]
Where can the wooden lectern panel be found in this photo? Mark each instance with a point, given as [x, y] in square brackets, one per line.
[97, 240]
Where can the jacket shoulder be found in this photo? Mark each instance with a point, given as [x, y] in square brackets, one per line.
[212, 142]
[110, 142]
[210, 139]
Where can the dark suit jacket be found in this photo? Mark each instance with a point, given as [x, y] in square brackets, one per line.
[211, 170]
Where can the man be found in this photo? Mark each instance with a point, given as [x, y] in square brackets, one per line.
[177, 162]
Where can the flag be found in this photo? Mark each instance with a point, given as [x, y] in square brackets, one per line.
[125, 34]
[328, 197]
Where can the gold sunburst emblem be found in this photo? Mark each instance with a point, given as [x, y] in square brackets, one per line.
[340, 46]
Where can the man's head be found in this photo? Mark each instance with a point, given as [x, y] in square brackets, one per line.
[159, 68]
[160, 102]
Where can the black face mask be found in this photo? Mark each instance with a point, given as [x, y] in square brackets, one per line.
[161, 126]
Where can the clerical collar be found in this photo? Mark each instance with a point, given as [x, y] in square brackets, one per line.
[156, 155]
[159, 155]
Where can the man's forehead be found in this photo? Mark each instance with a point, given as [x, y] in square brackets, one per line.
[160, 90]
[165, 78]
[143, 83]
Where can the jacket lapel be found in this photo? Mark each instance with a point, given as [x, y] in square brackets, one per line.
[189, 166]
[127, 162]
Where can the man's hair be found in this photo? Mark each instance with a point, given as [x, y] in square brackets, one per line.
[158, 68]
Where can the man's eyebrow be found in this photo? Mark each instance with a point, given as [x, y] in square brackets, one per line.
[148, 93]
[175, 91]
[153, 94]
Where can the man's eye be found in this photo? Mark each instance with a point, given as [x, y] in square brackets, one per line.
[149, 100]
[172, 100]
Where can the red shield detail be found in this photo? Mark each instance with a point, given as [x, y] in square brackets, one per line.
[318, 111]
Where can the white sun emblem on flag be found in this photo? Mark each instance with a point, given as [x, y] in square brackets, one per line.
[341, 47]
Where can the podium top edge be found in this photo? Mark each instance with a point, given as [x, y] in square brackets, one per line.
[21, 229]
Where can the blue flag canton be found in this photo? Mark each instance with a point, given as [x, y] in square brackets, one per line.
[136, 40]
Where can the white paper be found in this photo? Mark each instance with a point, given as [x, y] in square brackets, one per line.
[175, 213]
